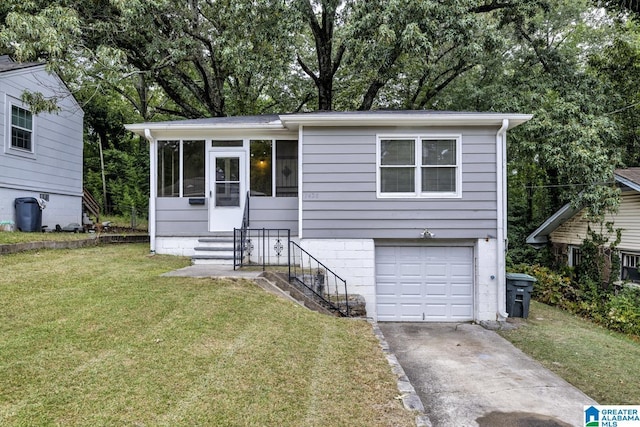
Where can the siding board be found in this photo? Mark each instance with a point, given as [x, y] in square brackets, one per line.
[339, 188]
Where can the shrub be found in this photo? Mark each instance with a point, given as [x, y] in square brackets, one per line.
[550, 288]
[622, 311]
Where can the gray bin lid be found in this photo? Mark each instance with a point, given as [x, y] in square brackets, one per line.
[521, 277]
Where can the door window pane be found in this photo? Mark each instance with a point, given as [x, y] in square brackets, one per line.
[227, 181]
[228, 194]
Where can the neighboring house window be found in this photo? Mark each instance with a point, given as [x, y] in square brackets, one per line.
[21, 129]
[575, 256]
[274, 168]
[630, 264]
[181, 166]
[419, 166]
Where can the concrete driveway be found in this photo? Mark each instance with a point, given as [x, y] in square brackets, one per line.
[466, 375]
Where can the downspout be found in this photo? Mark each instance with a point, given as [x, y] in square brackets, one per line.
[152, 190]
[501, 148]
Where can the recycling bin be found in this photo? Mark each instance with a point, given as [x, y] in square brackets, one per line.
[519, 289]
[28, 214]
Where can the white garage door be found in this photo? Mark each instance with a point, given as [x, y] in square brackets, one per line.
[424, 283]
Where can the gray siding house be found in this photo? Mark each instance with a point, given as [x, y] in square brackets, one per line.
[408, 206]
[41, 154]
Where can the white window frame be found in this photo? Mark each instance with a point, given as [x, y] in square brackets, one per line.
[630, 260]
[9, 147]
[417, 166]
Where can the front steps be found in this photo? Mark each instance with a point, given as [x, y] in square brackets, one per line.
[214, 250]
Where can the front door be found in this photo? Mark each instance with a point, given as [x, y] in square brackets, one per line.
[227, 190]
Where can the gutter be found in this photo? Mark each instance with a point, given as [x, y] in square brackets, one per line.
[152, 190]
[501, 149]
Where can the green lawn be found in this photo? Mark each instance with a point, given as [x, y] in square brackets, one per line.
[95, 336]
[603, 364]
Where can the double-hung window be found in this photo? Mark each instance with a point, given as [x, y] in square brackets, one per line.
[420, 166]
[21, 129]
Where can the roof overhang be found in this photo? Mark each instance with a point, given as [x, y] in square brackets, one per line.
[292, 122]
[540, 236]
[402, 118]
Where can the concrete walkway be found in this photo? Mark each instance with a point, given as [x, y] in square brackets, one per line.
[466, 375]
[214, 271]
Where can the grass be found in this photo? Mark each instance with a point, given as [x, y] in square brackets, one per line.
[601, 363]
[11, 237]
[95, 336]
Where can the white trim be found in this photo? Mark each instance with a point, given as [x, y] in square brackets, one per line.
[393, 118]
[300, 180]
[153, 167]
[417, 193]
[501, 181]
[11, 102]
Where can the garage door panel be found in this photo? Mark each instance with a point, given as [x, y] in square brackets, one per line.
[436, 290]
[416, 283]
[463, 290]
[409, 290]
[435, 311]
[387, 289]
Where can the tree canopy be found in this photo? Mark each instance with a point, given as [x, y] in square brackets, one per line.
[572, 63]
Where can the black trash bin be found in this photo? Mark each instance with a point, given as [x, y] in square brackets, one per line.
[28, 214]
[519, 288]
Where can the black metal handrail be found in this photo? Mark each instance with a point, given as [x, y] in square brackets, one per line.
[260, 246]
[239, 239]
[317, 278]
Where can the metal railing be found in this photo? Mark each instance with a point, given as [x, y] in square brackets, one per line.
[317, 279]
[261, 246]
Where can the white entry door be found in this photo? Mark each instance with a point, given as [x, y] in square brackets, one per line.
[227, 190]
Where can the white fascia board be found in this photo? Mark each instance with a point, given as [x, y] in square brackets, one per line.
[627, 182]
[541, 234]
[407, 119]
[177, 127]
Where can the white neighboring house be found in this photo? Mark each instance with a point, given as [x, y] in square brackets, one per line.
[408, 206]
[41, 155]
[565, 230]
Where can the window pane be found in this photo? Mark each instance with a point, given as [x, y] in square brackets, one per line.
[397, 152]
[261, 172]
[168, 168]
[227, 194]
[20, 139]
[227, 169]
[397, 180]
[193, 168]
[438, 179]
[226, 143]
[21, 117]
[286, 168]
[439, 152]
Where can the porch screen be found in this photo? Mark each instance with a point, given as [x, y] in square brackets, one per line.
[188, 176]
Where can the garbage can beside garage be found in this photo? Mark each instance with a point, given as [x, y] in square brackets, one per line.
[28, 214]
[519, 289]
